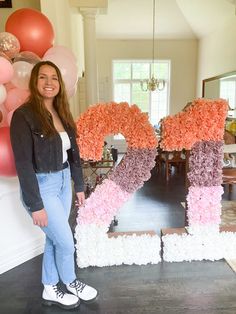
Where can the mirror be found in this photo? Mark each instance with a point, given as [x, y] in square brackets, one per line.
[222, 86]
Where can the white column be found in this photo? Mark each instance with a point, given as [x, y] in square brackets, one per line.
[91, 80]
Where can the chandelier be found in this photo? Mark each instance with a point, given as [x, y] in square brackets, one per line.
[152, 83]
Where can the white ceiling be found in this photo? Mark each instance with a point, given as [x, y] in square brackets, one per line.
[175, 19]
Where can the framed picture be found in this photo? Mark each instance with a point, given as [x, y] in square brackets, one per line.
[5, 4]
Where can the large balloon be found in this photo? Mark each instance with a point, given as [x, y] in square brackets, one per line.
[68, 69]
[7, 163]
[15, 98]
[9, 44]
[61, 50]
[6, 70]
[33, 29]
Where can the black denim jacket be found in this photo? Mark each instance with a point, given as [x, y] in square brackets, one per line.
[35, 152]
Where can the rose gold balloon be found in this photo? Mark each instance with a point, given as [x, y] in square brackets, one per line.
[27, 56]
[9, 44]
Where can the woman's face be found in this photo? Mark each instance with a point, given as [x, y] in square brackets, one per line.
[48, 83]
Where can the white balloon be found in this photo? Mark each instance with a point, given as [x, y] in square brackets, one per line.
[3, 94]
[21, 76]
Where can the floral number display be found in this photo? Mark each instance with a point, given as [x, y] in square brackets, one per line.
[200, 129]
[94, 245]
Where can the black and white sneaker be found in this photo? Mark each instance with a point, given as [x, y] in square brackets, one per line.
[54, 295]
[82, 291]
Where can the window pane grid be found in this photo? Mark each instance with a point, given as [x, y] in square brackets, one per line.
[127, 86]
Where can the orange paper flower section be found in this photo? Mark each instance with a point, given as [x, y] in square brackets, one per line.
[203, 121]
[105, 119]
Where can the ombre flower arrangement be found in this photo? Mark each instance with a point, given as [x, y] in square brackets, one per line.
[103, 204]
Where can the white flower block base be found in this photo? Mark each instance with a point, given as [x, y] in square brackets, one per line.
[96, 247]
[179, 246]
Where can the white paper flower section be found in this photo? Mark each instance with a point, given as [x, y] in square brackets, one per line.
[198, 247]
[95, 248]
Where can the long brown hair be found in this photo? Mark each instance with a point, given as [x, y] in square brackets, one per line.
[60, 101]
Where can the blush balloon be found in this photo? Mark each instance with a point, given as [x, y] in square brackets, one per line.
[3, 94]
[33, 29]
[15, 98]
[7, 163]
[6, 70]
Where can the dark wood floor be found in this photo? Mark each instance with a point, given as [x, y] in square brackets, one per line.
[180, 288]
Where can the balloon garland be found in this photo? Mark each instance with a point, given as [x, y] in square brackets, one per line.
[28, 39]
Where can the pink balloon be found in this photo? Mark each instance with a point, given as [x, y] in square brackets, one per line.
[4, 113]
[3, 94]
[21, 76]
[9, 86]
[72, 92]
[6, 70]
[61, 50]
[9, 117]
[67, 67]
[7, 163]
[9, 44]
[15, 98]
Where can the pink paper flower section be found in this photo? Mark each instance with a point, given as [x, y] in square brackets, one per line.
[103, 204]
[204, 205]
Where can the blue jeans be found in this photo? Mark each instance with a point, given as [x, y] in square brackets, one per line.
[58, 258]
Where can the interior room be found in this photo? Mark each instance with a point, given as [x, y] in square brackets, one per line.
[194, 42]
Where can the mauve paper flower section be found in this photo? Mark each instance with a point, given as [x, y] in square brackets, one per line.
[134, 169]
[205, 164]
[204, 205]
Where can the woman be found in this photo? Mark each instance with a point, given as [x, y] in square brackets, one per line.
[43, 137]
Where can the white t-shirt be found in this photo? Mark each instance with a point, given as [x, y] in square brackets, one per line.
[65, 145]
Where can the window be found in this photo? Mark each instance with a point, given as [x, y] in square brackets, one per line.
[228, 91]
[126, 86]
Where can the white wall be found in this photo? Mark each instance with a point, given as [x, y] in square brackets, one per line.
[183, 56]
[20, 240]
[217, 53]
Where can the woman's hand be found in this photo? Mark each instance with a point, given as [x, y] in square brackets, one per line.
[40, 218]
[80, 198]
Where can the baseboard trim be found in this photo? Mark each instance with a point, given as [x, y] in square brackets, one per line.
[15, 256]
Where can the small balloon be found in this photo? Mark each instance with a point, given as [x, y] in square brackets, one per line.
[9, 117]
[22, 71]
[6, 70]
[4, 112]
[3, 94]
[7, 163]
[9, 44]
[27, 56]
